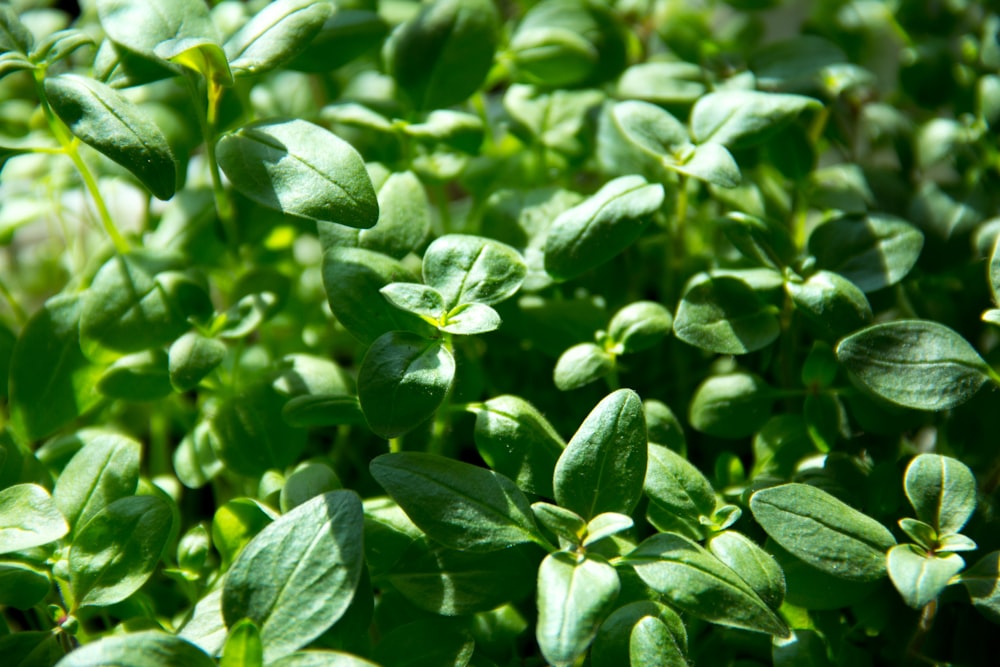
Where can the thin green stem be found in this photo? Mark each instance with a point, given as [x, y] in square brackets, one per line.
[442, 417]
[69, 146]
[19, 313]
[207, 116]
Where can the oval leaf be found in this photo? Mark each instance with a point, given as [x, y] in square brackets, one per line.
[603, 466]
[151, 648]
[596, 230]
[724, 315]
[298, 575]
[300, 169]
[115, 552]
[919, 576]
[472, 269]
[741, 118]
[275, 35]
[916, 363]
[823, 531]
[872, 251]
[104, 470]
[102, 118]
[402, 381]
[458, 504]
[575, 594]
[28, 518]
[942, 490]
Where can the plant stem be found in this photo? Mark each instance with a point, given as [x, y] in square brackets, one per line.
[207, 116]
[19, 314]
[69, 146]
[442, 417]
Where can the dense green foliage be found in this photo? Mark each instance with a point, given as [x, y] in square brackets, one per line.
[499, 334]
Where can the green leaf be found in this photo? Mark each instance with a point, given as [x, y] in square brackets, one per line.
[517, 441]
[473, 269]
[680, 492]
[833, 305]
[104, 470]
[734, 405]
[150, 648]
[920, 532]
[471, 318]
[314, 553]
[275, 35]
[942, 490]
[199, 54]
[141, 25]
[51, 381]
[243, 646]
[353, 278]
[698, 583]
[109, 123]
[823, 531]
[916, 363]
[251, 437]
[982, 581]
[402, 381]
[566, 524]
[605, 525]
[575, 595]
[300, 169]
[346, 34]
[115, 552]
[639, 326]
[129, 306]
[582, 364]
[651, 129]
[754, 565]
[458, 504]
[14, 35]
[741, 118]
[316, 658]
[237, 522]
[443, 54]
[23, 585]
[142, 376]
[724, 315]
[761, 241]
[603, 466]
[555, 120]
[643, 633]
[191, 358]
[919, 576]
[310, 479]
[418, 299]
[458, 129]
[428, 642]
[872, 251]
[455, 583]
[403, 223]
[28, 518]
[596, 230]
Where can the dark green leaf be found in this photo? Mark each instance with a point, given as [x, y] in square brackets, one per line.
[823, 531]
[761, 241]
[151, 648]
[603, 466]
[454, 583]
[346, 34]
[725, 315]
[275, 35]
[754, 565]
[606, 223]
[517, 441]
[105, 469]
[14, 35]
[740, 118]
[916, 363]
[582, 364]
[641, 633]
[402, 381]
[428, 642]
[315, 553]
[191, 358]
[115, 552]
[640, 325]
[353, 278]
[677, 488]
[108, 122]
[566, 524]
[321, 659]
[460, 505]
[731, 406]
[473, 269]
[22, 585]
[142, 376]
[51, 381]
[28, 518]
[833, 305]
[575, 594]
[443, 54]
[982, 581]
[606, 525]
[873, 251]
[300, 169]
[141, 25]
[418, 299]
[700, 584]
[942, 490]
[308, 480]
